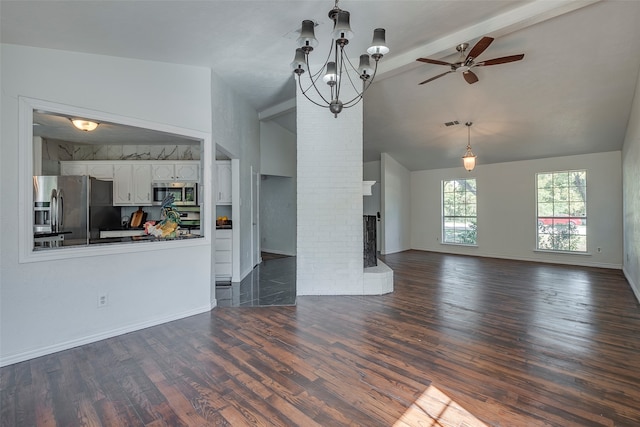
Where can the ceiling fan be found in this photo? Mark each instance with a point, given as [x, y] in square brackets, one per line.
[465, 64]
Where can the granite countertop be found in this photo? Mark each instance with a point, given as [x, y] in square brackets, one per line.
[140, 239]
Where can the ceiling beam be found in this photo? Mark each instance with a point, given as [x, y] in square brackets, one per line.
[277, 110]
[522, 17]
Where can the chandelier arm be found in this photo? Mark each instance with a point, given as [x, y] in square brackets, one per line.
[339, 66]
[352, 67]
[313, 80]
[352, 84]
[304, 92]
[365, 86]
[319, 72]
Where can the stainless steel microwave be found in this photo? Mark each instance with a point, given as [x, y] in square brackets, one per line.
[184, 193]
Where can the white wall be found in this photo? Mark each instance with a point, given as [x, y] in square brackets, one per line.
[631, 196]
[51, 305]
[236, 128]
[507, 211]
[396, 206]
[277, 189]
[277, 150]
[278, 214]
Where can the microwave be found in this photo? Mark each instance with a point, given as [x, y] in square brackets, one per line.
[184, 193]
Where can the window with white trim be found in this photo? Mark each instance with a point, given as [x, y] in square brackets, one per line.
[459, 212]
[561, 201]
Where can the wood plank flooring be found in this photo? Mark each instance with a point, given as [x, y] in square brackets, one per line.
[462, 341]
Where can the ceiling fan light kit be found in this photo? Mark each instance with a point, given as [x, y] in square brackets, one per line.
[466, 63]
[469, 159]
[337, 64]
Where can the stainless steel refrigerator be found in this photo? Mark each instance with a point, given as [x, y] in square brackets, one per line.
[70, 210]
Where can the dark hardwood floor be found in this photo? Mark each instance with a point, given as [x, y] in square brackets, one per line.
[462, 341]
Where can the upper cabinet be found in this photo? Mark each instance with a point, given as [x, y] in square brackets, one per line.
[96, 169]
[182, 171]
[132, 180]
[224, 182]
[131, 184]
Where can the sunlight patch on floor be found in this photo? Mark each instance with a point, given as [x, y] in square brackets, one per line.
[435, 409]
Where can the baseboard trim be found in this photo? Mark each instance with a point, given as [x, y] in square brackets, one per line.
[43, 351]
[277, 252]
[245, 274]
[581, 261]
[634, 286]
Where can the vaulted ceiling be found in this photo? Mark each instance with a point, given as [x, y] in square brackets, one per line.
[571, 94]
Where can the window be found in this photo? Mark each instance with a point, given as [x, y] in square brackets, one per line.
[459, 213]
[562, 210]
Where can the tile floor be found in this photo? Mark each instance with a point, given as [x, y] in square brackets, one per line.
[273, 282]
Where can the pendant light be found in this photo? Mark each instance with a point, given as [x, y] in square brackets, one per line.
[469, 159]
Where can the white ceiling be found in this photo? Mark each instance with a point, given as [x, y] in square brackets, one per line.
[571, 94]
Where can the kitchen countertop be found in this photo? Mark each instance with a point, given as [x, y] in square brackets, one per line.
[121, 232]
[140, 239]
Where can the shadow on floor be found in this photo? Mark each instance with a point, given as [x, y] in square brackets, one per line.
[273, 282]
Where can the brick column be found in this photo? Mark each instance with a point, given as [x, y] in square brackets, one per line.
[329, 211]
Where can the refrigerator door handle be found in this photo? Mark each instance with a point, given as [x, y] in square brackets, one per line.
[53, 203]
[60, 210]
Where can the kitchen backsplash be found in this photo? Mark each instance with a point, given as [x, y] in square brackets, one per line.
[59, 150]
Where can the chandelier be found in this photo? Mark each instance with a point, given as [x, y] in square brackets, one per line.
[469, 159]
[337, 66]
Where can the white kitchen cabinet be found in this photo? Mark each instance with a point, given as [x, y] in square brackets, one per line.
[73, 168]
[181, 171]
[122, 184]
[96, 169]
[162, 172]
[224, 182]
[224, 255]
[187, 171]
[100, 170]
[131, 184]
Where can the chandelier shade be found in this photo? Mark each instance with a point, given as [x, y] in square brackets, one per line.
[299, 64]
[379, 44]
[307, 40]
[337, 69]
[364, 68]
[342, 28]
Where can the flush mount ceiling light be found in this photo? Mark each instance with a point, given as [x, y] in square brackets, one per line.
[337, 64]
[85, 125]
[469, 159]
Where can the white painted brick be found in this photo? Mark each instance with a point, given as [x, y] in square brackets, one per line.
[329, 250]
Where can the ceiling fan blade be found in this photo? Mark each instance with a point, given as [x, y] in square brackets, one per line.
[436, 77]
[480, 47]
[502, 60]
[434, 61]
[470, 77]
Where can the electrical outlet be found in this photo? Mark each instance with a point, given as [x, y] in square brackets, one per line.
[103, 300]
[599, 250]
